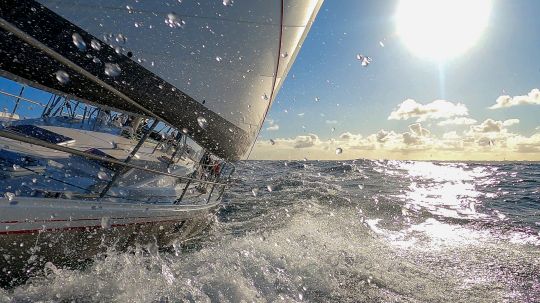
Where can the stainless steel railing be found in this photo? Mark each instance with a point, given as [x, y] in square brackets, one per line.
[189, 180]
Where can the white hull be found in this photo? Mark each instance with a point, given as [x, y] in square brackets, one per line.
[35, 215]
[34, 231]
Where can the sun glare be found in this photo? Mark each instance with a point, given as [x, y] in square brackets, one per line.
[441, 29]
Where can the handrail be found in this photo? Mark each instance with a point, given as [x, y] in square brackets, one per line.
[22, 98]
[30, 140]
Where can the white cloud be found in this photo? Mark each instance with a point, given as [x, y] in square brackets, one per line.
[437, 109]
[510, 122]
[450, 135]
[272, 125]
[418, 130]
[488, 126]
[457, 121]
[331, 122]
[533, 97]
[529, 145]
[306, 141]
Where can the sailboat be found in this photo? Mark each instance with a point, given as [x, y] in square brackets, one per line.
[149, 106]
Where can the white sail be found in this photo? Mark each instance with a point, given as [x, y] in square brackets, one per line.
[231, 57]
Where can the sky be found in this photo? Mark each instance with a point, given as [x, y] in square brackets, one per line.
[480, 104]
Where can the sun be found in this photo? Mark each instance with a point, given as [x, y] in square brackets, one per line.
[441, 29]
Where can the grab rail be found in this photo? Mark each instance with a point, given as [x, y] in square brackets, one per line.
[22, 98]
[14, 136]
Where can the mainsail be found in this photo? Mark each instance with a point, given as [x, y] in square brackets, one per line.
[209, 68]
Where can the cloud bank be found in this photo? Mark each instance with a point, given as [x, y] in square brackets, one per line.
[489, 140]
[437, 109]
[533, 97]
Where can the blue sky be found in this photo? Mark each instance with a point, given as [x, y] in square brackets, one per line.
[504, 61]
[357, 101]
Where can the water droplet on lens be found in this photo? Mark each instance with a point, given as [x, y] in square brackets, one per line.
[284, 55]
[339, 150]
[62, 77]
[129, 9]
[173, 21]
[9, 196]
[364, 60]
[218, 58]
[317, 99]
[202, 122]
[120, 38]
[105, 222]
[95, 44]
[102, 175]
[78, 41]
[228, 2]
[112, 69]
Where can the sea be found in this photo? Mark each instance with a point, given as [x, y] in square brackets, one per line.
[337, 231]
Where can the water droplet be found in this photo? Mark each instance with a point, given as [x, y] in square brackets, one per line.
[360, 186]
[317, 99]
[120, 38]
[269, 188]
[62, 77]
[339, 150]
[255, 192]
[78, 41]
[333, 129]
[381, 43]
[202, 122]
[129, 9]
[284, 55]
[173, 21]
[364, 60]
[218, 58]
[105, 222]
[112, 69]
[95, 44]
[228, 2]
[102, 175]
[9, 196]
[272, 142]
